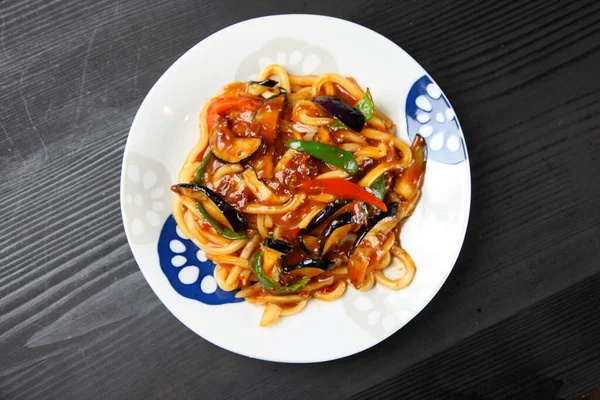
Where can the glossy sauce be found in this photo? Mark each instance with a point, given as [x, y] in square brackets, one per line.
[302, 167]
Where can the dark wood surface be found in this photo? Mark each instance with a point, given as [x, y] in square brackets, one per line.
[518, 317]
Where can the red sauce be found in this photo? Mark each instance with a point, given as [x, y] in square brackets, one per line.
[300, 168]
[239, 122]
[233, 192]
[291, 219]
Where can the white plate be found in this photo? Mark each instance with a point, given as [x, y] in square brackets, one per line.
[166, 127]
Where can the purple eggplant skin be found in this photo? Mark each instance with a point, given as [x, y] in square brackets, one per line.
[267, 82]
[343, 219]
[350, 116]
[308, 263]
[278, 245]
[392, 211]
[237, 221]
[324, 214]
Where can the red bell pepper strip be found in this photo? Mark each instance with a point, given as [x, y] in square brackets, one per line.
[222, 105]
[342, 189]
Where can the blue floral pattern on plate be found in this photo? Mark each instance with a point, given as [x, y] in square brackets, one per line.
[429, 114]
[188, 270]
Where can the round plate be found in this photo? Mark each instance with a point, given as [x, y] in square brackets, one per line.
[166, 128]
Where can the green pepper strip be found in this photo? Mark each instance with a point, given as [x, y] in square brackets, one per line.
[365, 106]
[378, 187]
[269, 284]
[330, 154]
[337, 125]
[202, 167]
[225, 232]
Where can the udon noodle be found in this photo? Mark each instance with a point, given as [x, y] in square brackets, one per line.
[297, 188]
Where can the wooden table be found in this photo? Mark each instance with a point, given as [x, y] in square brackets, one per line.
[518, 317]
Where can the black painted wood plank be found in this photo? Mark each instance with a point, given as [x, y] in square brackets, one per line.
[550, 350]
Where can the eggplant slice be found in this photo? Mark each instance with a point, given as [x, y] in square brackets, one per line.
[324, 214]
[350, 116]
[373, 221]
[266, 119]
[278, 245]
[267, 82]
[366, 247]
[234, 217]
[257, 88]
[335, 231]
[412, 177]
[308, 263]
[229, 148]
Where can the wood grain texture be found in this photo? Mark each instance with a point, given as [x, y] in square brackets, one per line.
[523, 357]
[516, 318]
